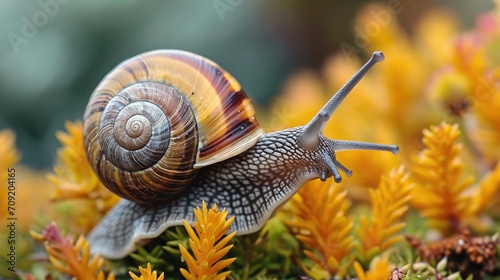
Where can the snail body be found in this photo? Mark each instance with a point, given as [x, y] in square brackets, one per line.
[168, 129]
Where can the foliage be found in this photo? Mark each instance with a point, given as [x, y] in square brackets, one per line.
[389, 203]
[146, 274]
[320, 223]
[462, 253]
[207, 246]
[267, 253]
[379, 269]
[74, 176]
[72, 259]
[9, 156]
[440, 193]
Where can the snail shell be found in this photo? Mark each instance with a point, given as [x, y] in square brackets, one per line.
[157, 118]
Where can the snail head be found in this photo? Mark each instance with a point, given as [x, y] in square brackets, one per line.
[312, 137]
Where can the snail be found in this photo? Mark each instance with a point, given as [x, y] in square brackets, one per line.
[167, 129]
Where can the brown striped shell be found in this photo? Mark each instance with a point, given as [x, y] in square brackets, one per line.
[160, 116]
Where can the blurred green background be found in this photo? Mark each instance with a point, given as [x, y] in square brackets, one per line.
[53, 53]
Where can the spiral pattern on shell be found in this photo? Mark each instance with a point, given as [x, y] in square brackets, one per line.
[159, 117]
[148, 128]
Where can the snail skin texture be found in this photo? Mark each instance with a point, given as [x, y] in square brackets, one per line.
[168, 129]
